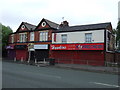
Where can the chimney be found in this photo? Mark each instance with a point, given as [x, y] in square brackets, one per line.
[65, 23]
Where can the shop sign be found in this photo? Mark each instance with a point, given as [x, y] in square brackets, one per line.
[9, 47]
[20, 47]
[85, 46]
[31, 47]
[43, 46]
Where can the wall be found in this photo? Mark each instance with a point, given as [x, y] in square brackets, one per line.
[78, 57]
[110, 57]
[79, 36]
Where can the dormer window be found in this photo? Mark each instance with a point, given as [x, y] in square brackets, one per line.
[23, 27]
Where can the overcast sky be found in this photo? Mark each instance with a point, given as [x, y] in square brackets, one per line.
[76, 12]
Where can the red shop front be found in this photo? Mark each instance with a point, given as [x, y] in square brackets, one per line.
[21, 52]
[88, 53]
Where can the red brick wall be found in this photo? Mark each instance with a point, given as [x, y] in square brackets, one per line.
[117, 57]
[110, 56]
[36, 35]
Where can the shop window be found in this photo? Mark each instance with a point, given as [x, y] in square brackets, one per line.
[43, 36]
[88, 37]
[23, 37]
[64, 38]
[32, 36]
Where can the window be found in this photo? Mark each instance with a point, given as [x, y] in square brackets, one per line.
[46, 36]
[12, 38]
[64, 38]
[23, 37]
[88, 37]
[43, 36]
[32, 36]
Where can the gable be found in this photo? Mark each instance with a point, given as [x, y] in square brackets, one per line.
[22, 27]
[43, 25]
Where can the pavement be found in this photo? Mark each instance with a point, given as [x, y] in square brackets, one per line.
[18, 75]
[100, 69]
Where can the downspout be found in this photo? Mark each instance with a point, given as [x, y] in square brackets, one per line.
[105, 47]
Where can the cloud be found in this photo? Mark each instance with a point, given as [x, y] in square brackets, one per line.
[75, 11]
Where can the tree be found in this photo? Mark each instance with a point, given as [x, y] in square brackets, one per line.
[118, 35]
[5, 34]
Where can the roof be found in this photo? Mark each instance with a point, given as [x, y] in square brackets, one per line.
[29, 26]
[52, 24]
[84, 27]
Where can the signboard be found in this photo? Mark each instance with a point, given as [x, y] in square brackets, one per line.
[20, 47]
[42, 46]
[83, 46]
[9, 47]
[31, 47]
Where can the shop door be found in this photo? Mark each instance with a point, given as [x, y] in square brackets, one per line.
[11, 54]
[21, 54]
[32, 55]
[40, 55]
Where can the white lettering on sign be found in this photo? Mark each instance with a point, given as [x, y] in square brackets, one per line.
[60, 47]
[44, 46]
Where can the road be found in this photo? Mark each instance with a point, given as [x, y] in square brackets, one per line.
[27, 76]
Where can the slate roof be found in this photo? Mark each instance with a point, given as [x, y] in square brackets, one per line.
[29, 26]
[52, 24]
[84, 27]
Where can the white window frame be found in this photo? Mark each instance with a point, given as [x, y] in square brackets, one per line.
[43, 36]
[31, 36]
[88, 37]
[12, 38]
[23, 37]
[64, 38]
[46, 36]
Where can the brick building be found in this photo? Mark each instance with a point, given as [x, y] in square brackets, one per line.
[82, 44]
[27, 35]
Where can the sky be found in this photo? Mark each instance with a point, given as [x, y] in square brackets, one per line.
[76, 12]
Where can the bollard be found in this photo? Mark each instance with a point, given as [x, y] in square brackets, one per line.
[44, 61]
[35, 61]
[22, 59]
[14, 59]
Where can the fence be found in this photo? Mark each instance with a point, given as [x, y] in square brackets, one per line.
[86, 62]
[76, 61]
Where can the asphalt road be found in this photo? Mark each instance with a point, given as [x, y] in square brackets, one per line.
[27, 76]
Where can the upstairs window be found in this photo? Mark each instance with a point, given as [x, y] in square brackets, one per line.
[88, 37]
[12, 38]
[43, 36]
[32, 36]
[64, 38]
[23, 37]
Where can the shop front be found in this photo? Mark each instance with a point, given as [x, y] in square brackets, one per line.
[87, 53]
[41, 52]
[10, 52]
[21, 52]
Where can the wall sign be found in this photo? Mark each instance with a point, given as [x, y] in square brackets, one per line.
[83, 46]
[20, 47]
[9, 47]
[44, 46]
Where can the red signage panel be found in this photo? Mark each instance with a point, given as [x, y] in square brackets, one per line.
[82, 46]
